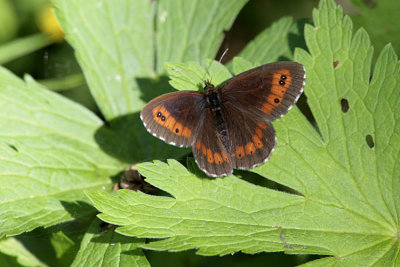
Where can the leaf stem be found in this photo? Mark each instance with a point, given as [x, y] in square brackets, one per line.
[64, 83]
[23, 46]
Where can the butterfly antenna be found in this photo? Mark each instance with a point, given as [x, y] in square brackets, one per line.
[219, 61]
[223, 55]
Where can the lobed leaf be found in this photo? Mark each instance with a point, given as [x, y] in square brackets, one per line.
[101, 246]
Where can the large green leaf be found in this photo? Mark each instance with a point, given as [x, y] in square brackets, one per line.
[113, 43]
[48, 157]
[346, 172]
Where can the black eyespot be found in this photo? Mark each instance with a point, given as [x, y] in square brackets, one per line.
[177, 130]
[282, 82]
[159, 114]
[163, 118]
[276, 100]
[283, 77]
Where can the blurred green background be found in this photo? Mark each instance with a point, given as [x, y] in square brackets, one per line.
[26, 48]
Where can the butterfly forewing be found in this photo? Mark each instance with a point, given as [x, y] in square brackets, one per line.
[174, 117]
[269, 90]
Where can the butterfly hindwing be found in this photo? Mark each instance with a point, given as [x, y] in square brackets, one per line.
[269, 90]
[174, 117]
[208, 150]
[252, 137]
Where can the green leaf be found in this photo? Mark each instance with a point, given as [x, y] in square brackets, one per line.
[241, 65]
[270, 44]
[103, 247]
[48, 157]
[381, 20]
[113, 45]
[191, 76]
[275, 43]
[192, 30]
[346, 171]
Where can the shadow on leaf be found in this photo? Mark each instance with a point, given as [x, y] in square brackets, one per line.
[125, 137]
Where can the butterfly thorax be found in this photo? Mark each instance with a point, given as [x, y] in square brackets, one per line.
[214, 103]
[211, 94]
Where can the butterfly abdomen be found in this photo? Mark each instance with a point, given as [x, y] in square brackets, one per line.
[214, 104]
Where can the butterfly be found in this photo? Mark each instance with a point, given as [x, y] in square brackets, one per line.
[228, 127]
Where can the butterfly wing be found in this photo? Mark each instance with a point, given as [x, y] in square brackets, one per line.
[208, 150]
[174, 117]
[269, 90]
[252, 137]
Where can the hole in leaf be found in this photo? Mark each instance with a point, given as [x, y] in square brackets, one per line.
[13, 147]
[370, 141]
[345, 105]
[335, 64]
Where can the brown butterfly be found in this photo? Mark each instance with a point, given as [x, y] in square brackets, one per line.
[229, 126]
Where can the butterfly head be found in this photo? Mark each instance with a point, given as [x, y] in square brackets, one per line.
[208, 87]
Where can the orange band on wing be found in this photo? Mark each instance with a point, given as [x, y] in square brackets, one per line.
[198, 144]
[224, 156]
[210, 157]
[281, 80]
[164, 118]
[262, 125]
[186, 132]
[217, 158]
[203, 149]
[259, 132]
[239, 152]
[250, 148]
[257, 141]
